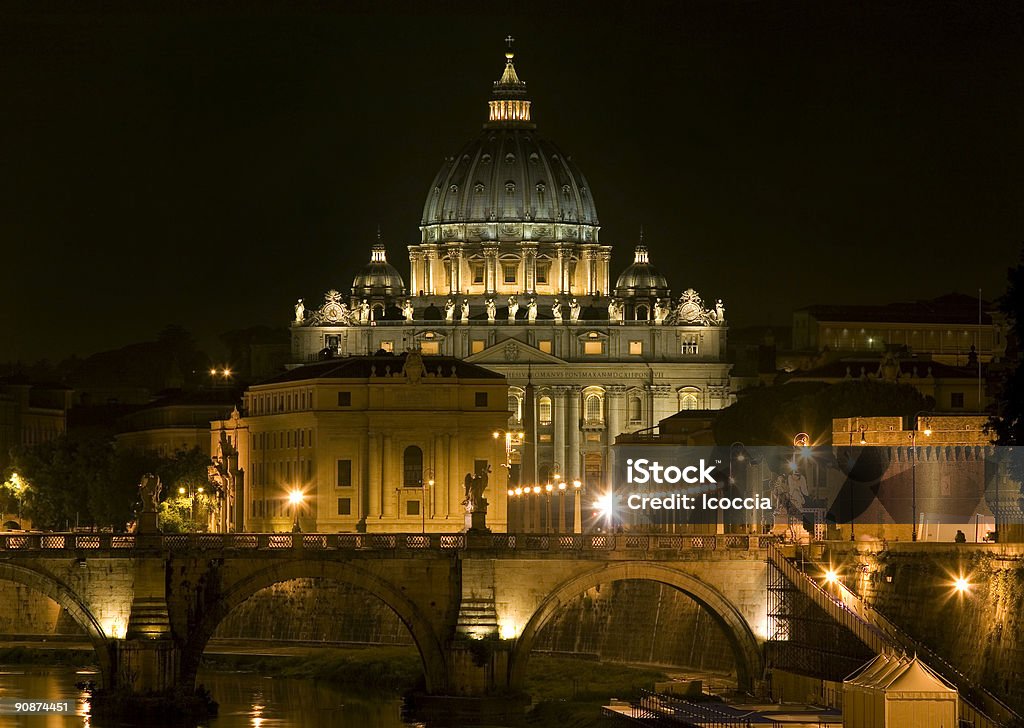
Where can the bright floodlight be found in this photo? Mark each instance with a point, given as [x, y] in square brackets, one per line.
[831, 577]
[536, 489]
[295, 497]
[511, 492]
[604, 505]
[961, 584]
[548, 487]
[519, 491]
[181, 491]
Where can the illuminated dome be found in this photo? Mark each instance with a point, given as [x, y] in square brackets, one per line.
[509, 183]
[378, 277]
[640, 277]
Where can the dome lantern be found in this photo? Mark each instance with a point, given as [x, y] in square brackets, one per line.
[509, 105]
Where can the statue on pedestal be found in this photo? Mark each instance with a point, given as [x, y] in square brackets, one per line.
[492, 309]
[149, 490]
[556, 311]
[475, 502]
[407, 310]
[300, 312]
[513, 308]
[531, 310]
[449, 310]
[465, 311]
[574, 310]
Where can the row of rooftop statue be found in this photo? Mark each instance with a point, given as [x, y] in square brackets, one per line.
[688, 310]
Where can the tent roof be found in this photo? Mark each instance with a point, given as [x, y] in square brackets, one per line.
[916, 677]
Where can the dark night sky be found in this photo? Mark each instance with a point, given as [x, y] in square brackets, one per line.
[209, 167]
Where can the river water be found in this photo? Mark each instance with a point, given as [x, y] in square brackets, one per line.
[246, 700]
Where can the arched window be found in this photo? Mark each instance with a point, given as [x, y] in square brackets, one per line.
[643, 313]
[544, 410]
[688, 401]
[636, 409]
[515, 407]
[412, 467]
[593, 409]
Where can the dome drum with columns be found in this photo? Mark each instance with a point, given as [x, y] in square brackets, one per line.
[509, 274]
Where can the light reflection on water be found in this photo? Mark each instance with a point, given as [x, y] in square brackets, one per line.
[246, 701]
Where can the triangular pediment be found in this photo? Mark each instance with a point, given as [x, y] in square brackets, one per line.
[513, 351]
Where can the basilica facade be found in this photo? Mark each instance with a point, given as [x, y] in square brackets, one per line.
[509, 274]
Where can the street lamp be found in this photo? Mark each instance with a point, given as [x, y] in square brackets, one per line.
[512, 439]
[577, 525]
[295, 497]
[426, 481]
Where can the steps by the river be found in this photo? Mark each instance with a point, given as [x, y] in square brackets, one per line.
[881, 635]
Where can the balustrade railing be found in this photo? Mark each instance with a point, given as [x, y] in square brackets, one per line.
[554, 542]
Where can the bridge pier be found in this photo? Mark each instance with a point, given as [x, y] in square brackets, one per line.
[146, 666]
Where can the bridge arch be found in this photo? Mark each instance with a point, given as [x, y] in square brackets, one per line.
[423, 634]
[53, 588]
[748, 656]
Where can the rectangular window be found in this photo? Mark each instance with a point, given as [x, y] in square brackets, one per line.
[388, 346]
[544, 438]
[956, 400]
[412, 508]
[477, 346]
[480, 399]
[509, 270]
[542, 272]
[593, 347]
[544, 346]
[344, 399]
[344, 506]
[430, 347]
[690, 345]
[636, 348]
[344, 473]
[478, 273]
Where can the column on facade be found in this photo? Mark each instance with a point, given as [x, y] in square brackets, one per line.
[573, 471]
[572, 466]
[558, 428]
[376, 473]
[388, 481]
[529, 251]
[415, 271]
[605, 285]
[491, 268]
[429, 260]
[455, 266]
[441, 485]
[557, 276]
[588, 273]
[454, 479]
[363, 497]
[614, 394]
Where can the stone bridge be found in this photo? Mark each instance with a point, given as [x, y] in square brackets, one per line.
[473, 603]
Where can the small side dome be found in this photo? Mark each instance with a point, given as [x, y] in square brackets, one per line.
[641, 278]
[378, 277]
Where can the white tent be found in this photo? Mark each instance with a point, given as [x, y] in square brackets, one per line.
[898, 692]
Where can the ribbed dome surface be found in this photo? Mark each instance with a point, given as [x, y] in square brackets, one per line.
[509, 174]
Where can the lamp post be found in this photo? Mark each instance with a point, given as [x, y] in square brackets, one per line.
[561, 505]
[192, 494]
[425, 481]
[512, 439]
[732, 480]
[577, 518]
[554, 478]
[295, 497]
[913, 465]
